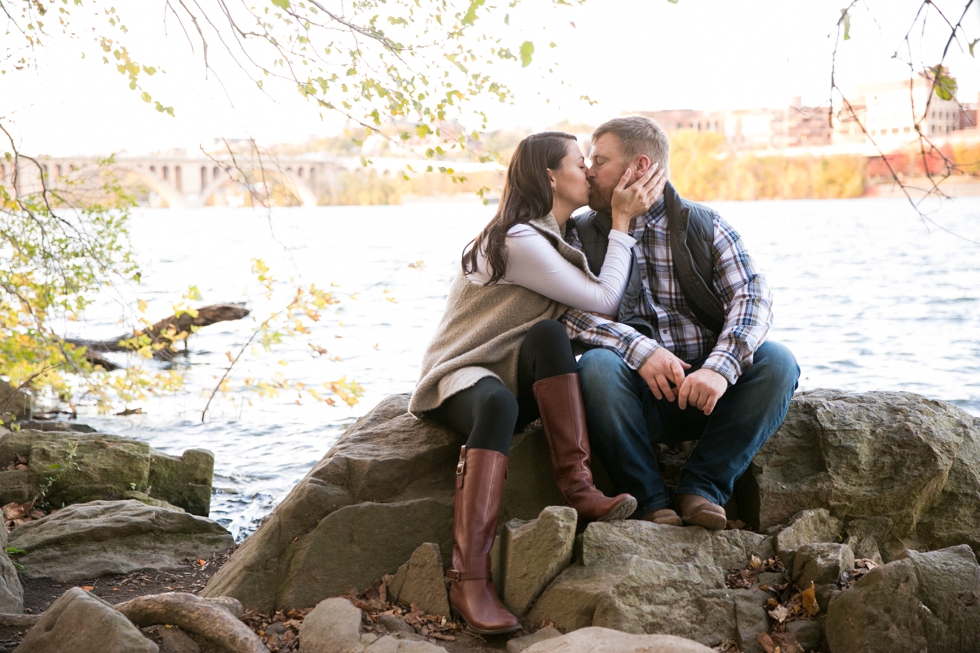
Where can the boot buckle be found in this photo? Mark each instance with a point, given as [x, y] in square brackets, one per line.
[453, 575]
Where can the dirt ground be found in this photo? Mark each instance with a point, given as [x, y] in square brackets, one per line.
[277, 630]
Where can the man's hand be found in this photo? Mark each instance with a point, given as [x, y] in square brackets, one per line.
[702, 389]
[661, 370]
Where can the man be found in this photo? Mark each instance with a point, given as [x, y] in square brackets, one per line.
[687, 357]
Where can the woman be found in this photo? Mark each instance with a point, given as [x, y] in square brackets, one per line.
[499, 357]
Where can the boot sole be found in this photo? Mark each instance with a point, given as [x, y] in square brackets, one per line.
[622, 511]
[457, 615]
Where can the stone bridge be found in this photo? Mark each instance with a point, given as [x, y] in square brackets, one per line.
[191, 182]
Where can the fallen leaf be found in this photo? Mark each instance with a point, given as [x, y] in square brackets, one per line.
[810, 605]
[87, 588]
[787, 643]
[779, 613]
[756, 562]
[765, 641]
[202, 562]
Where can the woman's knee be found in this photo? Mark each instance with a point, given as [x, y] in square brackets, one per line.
[498, 404]
[547, 334]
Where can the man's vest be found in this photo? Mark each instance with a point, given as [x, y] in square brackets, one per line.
[690, 228]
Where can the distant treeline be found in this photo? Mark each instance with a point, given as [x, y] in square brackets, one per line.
[702, 167]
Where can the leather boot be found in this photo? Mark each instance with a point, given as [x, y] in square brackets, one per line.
[563, 418]
[479, 484]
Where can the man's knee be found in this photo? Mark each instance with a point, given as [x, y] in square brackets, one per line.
[603, 371]
[777, 364]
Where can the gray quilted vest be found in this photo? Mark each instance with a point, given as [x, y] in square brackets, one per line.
[691, 230]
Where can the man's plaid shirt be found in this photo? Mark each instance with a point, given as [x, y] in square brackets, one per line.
[746, 297]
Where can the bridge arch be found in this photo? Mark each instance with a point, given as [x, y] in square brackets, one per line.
[296, 187]
[173, 197]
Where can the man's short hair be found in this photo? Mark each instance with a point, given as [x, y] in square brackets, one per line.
[639, 135]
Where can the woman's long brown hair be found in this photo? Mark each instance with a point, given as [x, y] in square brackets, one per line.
[527, 195]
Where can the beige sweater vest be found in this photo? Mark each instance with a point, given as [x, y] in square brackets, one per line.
[482, 329]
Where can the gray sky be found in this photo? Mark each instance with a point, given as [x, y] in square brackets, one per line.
[625, 54]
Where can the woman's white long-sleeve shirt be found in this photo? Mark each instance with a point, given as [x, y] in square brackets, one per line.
[534, 263]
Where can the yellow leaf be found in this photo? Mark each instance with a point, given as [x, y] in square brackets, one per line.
[141, 304]
[810, 601]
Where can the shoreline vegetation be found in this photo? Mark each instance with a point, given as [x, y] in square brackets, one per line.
[703, 169]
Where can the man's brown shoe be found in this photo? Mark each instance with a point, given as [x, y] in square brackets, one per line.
[664, 517]
[697, 511]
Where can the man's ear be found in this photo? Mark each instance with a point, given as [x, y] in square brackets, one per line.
[642, 165]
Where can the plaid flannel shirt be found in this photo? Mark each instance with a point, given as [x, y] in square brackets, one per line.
[742, 289]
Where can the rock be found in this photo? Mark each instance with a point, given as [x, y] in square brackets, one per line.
[640, 577]
[891, 456]
[11, 590]
[334, 626]
[143, 497]
[382, 490]
[52, 425]
[397, 626]
[725, 549]
[113, 537]
[821, 563]
[519, 644]
[806, 632]
[530, 554]
[420, 581]
[171, 639]
[83, 623]
[65, 468]
[603, 640]
[865, 547]
[925, 601]
[184, 481]
[806, 527]
[14, 404]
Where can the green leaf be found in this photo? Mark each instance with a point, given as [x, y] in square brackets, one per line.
[284, 4]
[845, 17]
[146, 96]
[470, 16]
[527, 49]
[973, 43]
[673, 2]
[14, 551]
[944, 84]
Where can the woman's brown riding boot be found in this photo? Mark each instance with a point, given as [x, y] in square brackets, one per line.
[563, 418]
[479, 485]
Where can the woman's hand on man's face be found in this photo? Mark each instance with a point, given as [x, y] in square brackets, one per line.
[631, 201]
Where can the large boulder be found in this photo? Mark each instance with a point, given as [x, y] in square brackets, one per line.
[66, 467]
[899, 467]
[88, 540]
[640, 577]
[420, 581]
[83, 623]
[382, 490]
[922, 602]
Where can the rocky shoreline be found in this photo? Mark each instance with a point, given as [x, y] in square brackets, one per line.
[855, 529]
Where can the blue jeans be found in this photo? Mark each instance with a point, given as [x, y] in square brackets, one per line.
[626, 421]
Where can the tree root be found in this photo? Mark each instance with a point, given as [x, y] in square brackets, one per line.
[18, 620]
[212, 619]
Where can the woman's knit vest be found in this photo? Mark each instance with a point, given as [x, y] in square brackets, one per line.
[482, 329]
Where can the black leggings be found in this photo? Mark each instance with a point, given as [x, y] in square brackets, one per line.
[487, 414]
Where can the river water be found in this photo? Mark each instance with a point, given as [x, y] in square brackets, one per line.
[866, 297]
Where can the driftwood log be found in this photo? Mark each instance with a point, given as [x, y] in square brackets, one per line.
[216, 620]
[175, 325]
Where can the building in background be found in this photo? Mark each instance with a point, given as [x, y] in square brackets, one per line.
[880, 115]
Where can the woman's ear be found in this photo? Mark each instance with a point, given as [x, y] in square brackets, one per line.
[551, 178]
